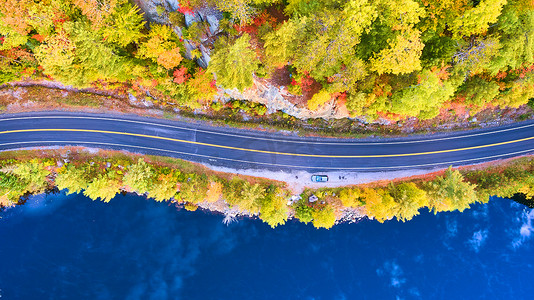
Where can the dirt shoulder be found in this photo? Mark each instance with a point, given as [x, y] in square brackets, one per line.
[28, 96]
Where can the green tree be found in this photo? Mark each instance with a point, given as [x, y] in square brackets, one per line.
[124, 26]
[348, 76]
[425, 98]
[304, 212]
[34, 173]
[332, 36]
[410, 199]
[243, 62]
[139, 176]
[282, 44]
[451, 192]
[11, 188]
[194, 189]
[480, 92]
[251, 196]
[73, 178]
[104, 186]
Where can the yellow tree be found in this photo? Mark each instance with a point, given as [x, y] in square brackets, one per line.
[214, 192]
[324, 218]
[379, 204]
[402, 56]
[161, 47]
[274, 209]
[451, 192]
[477, 19]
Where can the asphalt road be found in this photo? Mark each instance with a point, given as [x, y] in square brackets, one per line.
[237, 149]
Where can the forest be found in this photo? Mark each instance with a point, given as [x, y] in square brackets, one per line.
[103, 176]
[392, 59]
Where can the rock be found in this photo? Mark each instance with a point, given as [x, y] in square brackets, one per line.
[213, 20]
[173, 4]
[132, 99]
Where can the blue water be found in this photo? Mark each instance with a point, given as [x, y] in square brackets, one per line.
[69, 247]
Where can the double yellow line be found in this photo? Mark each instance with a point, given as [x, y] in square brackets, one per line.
[264, 151]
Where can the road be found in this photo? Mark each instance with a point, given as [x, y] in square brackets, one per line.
[240, 149]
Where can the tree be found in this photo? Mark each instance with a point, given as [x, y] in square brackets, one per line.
[161, 47]
[274, 210]
[56, 53]
[480, 92]
[304, 212]
[194, 189]
[332, 36]
[477, 19]
[425, 98]
[33, 173]
[12, 188]
[345, 80]
[139, 176]
[14, 25]
[476, 57]
[104, 186]
[402, 56]
[214, 191]
[515, 31]
[98, 11]
[73, 178]
[164, 187]
[324, 218]
[125, 25]
[282, 44]
[241, 193]
[319, 99]
[400, 14]
[243, 62]
[451, 192]
[251, 195]
[518, 92]
[379, 204]
[410, 199]
[441, 13]
[350, 197]
[78, 56]
[202, 86]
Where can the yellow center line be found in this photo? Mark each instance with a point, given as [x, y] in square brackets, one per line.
[271, 152]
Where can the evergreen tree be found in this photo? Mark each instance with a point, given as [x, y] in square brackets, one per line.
[243, 62]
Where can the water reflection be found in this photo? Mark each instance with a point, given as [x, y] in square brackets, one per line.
[67, 247]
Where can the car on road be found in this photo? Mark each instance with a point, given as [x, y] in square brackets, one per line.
[319, 178]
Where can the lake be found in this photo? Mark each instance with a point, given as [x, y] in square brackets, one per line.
[69, 247]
